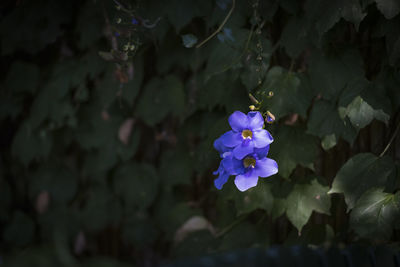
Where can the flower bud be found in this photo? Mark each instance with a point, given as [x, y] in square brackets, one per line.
[118, 20]
[126, 47]
[132, 47]
[252, 107]
[270, 118]
[270, 94]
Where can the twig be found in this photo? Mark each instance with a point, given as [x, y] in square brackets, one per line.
[220, 26]
[391, 140]
[232, 225]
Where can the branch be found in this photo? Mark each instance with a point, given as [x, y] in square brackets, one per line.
[220, 26]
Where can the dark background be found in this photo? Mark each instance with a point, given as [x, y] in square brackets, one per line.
[108, 116]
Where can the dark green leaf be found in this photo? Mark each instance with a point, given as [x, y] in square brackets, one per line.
[293, 146]
[20, 230]
[324, 120]
[136, 185]
[389, 8]
[306, 198]
[359, 174]
[375, 214]
[361, 113]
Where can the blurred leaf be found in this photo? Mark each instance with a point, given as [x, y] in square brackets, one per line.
[58, 180]
[324, 120]
[176, 167]
[389, 8]
[290, 96]
[328, 141]
[89, 24]
[189, 40]
[361, 113]
[161, 97]
[193, 224]
[293, 146]
[375, 214]
[294, 36]
[14, 81]
[29, 145]
[20, 230]
[359, 174]
[258, 197]
[187, 10]
[136, 185]
[306, 198]
[138, 231]
[331, 73]
[102, 209]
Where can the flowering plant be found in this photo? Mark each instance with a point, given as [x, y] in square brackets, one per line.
[244, 151]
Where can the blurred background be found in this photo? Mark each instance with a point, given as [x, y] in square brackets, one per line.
[109, 110]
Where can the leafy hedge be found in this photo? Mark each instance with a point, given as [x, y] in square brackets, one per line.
[108, 156]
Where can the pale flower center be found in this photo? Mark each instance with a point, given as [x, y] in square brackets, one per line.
[247, 134]
[249, 162]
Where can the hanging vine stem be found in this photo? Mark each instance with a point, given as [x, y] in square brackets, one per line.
[220, 26]
[391, 140]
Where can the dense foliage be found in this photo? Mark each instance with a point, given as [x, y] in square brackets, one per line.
[108, 115]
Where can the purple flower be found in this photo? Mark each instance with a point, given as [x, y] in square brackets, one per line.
[135, 21]
[247, 134]
[247, 170]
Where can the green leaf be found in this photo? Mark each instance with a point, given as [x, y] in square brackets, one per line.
[181, 13]
[89, 24]
[324, 120]
[359, 174]
[161, 97]
[189, 40]
[138, 231]
[20, 230]
[389, 8]
[293, 146]
[294, 36]
[306, 198]
[258, 197]
[102, 209]
[59, 181]
[326, 14]
[136, 185]
[361, 113]
[328, 141]
[375, 214]
[176, 167]
[29, 145]
[23, 77]
[290, 96]
[331, 73]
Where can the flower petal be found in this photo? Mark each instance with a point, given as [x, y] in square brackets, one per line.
[233, 166]
[246, 181]
[262, 138]
[238, 121]
[231, 139]
[256, 120]
[265, 167]
[221, 180]
[261, 152]
[220, 147]
[243, 150]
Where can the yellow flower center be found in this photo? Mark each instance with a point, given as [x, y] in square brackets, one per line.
[249, 162]
[247, 134]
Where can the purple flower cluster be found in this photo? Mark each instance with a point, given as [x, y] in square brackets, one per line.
[244, 151]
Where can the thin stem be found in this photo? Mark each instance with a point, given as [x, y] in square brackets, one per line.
[220, 26]
[391, 140]
[232, 225]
